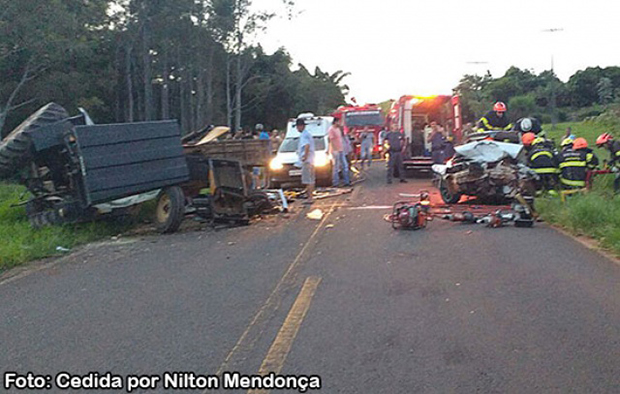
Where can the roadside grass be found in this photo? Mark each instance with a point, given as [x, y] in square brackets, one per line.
[594, 214]
[21, 243]
[588, 130]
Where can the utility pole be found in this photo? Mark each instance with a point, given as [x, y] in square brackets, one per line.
[553, 101]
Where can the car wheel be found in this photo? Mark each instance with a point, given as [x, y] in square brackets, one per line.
[447, 196]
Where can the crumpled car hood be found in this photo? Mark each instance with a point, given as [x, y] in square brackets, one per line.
[489, 151]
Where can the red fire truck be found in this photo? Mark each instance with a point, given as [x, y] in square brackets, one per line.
[413, 114]
[356, 117]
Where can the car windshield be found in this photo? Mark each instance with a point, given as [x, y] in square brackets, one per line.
[291, 144]
[364, 118]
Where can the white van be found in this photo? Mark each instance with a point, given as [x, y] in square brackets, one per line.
[283, 169]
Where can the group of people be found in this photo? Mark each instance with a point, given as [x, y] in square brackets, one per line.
[566, 168]
[569, 166]
[340, 149]
[259, 133]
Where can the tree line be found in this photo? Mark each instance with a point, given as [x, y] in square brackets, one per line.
[137, 60]
[587, 93]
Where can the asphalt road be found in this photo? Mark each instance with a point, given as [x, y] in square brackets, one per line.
[449, 309]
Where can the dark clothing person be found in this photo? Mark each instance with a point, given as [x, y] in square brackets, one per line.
[396, 142]
[535, 128]
[544, 162]
[614, 149]
[448, 148]
[417, 143]
[491, 121]
[614, 162]
[437, 145]
[574, 166]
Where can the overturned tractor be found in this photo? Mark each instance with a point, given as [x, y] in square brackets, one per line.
[77, 171]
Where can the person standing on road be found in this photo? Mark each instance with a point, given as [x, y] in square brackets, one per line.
[382, 135]
[337, 150]
[417, 142]
[368, 141]
[436, 140]
[305, 152]
[395, 143]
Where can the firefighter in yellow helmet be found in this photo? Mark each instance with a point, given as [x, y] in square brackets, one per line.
[575, 163]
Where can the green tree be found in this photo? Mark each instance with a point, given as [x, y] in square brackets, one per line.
[48, 42]
[605, 91]
[522, 106]
[582, 86]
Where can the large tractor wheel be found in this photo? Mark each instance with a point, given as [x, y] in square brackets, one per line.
[15, 149]
[170, 209]
[446, 195]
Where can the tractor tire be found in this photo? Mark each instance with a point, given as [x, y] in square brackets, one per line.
[446, 195]
[40, 217]
[16, 148]
[170, 209]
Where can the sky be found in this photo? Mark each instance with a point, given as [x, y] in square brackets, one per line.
[420, 47]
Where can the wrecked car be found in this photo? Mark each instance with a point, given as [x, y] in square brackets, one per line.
[487, 169]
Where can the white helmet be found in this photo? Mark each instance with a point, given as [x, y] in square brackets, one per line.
[526, 125]
[259, 127]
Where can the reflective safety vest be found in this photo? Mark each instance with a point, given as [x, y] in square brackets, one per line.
[490, 121]
[542, 160]
[574, 165]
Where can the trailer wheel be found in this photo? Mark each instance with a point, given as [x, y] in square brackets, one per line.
[170, 209]
[447, 196]
[15, 149]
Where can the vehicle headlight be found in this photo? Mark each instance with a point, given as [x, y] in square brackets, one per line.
[276, 164]
[321, 160]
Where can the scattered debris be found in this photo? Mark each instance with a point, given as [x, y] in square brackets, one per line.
[328, 193]
[62, 249]
[329, 226]
[232, 243]
[316, 214]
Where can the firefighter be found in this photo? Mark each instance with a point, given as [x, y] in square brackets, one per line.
[606, 140]
[575, 163]
[542, 160]
[567, 143]
[495, 119]
[527, 125]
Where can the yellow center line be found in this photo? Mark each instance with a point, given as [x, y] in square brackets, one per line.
[281, 346]
[273, 299]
